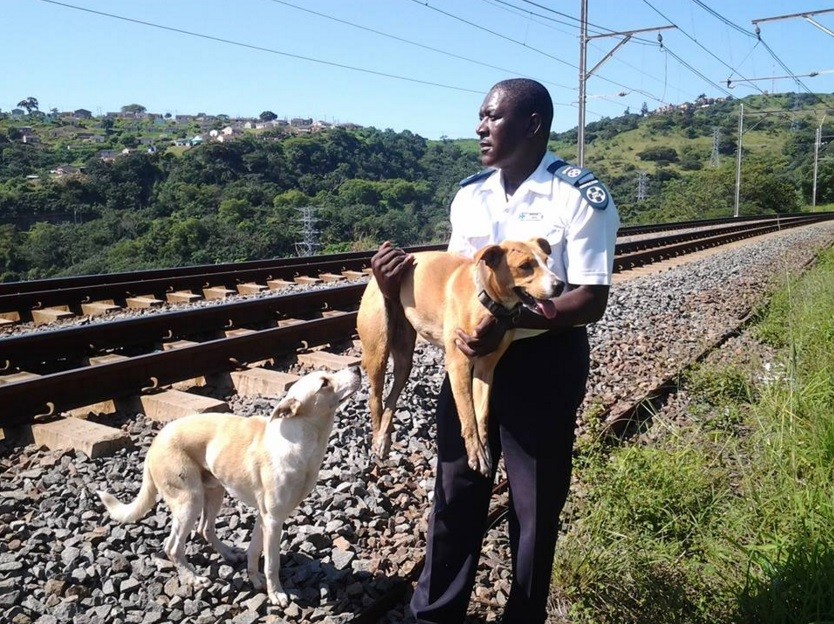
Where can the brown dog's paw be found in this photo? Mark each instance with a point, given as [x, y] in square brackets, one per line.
[480, 459]
[381, 446]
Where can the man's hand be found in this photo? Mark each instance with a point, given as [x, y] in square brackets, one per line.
[486, 338]
[389, 264]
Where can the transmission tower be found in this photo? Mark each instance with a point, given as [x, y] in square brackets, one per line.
[716, 137]
[642, 186]
[794, 118]
[310, 244]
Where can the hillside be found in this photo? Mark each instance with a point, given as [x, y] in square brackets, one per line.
[82, 194]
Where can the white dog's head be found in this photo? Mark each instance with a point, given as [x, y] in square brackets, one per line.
[318, 393]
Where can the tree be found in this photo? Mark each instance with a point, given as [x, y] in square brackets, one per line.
[268, 116]
[29, 104]
[644, 110]
[134, 109]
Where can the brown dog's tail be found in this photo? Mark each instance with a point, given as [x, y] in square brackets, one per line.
[139, 507]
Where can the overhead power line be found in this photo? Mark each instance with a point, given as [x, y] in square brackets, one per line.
[695, 71]
[721, 18]
[261, 48]
[402, 40]
[699, 44]
[425, 4]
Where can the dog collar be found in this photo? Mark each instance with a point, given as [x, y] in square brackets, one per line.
[496, 309]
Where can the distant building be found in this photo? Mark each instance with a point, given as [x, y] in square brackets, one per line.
[82, 113]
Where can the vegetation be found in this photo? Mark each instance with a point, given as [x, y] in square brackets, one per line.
[71, 202]
[730, 518]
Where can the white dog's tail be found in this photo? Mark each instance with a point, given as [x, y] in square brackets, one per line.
[139, 507]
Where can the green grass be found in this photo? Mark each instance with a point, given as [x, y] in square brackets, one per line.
[729, 518]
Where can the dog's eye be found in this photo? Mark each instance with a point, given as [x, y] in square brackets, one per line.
[527, 266]
[325, 382]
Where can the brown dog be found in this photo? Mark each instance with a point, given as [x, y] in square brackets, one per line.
[440, 293]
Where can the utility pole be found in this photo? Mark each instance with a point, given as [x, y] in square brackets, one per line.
[738, 158]
[584, 74]
[817, 145]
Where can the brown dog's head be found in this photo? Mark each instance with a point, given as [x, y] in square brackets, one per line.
[517, 272]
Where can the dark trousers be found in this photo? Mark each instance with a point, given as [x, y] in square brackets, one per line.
[538, 387]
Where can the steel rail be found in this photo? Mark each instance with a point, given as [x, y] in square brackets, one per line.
[22, 401]
[46, 349]
[280, 265]
[74, 343]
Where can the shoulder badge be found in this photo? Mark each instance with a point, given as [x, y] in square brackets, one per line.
[476, 176]
[591, 189]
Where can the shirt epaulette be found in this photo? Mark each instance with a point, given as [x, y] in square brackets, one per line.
[591, 189]
[476, 176]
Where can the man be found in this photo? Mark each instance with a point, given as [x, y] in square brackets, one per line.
[540, 381]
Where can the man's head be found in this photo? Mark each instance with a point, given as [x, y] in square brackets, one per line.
[514, 125]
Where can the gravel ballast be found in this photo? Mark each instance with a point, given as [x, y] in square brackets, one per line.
[362, 528]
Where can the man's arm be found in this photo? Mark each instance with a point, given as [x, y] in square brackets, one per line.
[582, 305]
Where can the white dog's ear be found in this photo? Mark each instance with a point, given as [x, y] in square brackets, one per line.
[491, 255]
[287, 408]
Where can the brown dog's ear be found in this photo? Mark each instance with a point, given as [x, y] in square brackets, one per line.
[542, 244]
[491, 255]
[287, 408]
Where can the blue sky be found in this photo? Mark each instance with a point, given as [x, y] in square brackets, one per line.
[439, 57]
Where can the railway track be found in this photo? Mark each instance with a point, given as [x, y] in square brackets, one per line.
[58, 352]
[47, 373]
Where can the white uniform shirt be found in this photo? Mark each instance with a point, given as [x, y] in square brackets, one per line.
[581, 237]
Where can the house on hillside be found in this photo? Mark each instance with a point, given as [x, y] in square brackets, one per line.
[62, 171]
[107, 155]
[18, 113]
[82, 113]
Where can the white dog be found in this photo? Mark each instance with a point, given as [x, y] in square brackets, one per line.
[268, 463]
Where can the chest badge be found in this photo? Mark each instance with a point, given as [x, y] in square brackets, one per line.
[530, 216]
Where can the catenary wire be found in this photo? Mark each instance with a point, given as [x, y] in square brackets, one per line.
[699, 44]
[403, 40]
[261, 48]
[424, 3]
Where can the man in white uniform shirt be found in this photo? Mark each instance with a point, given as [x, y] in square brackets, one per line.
[539, 383]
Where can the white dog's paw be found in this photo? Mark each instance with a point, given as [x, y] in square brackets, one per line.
[279, 597]
[195, 580]
[258, 580]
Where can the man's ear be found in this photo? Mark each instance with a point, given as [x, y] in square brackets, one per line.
[491, 255]
[534, 124]
[287, 408]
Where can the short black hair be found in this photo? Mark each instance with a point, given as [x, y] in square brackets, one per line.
[530, 97]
